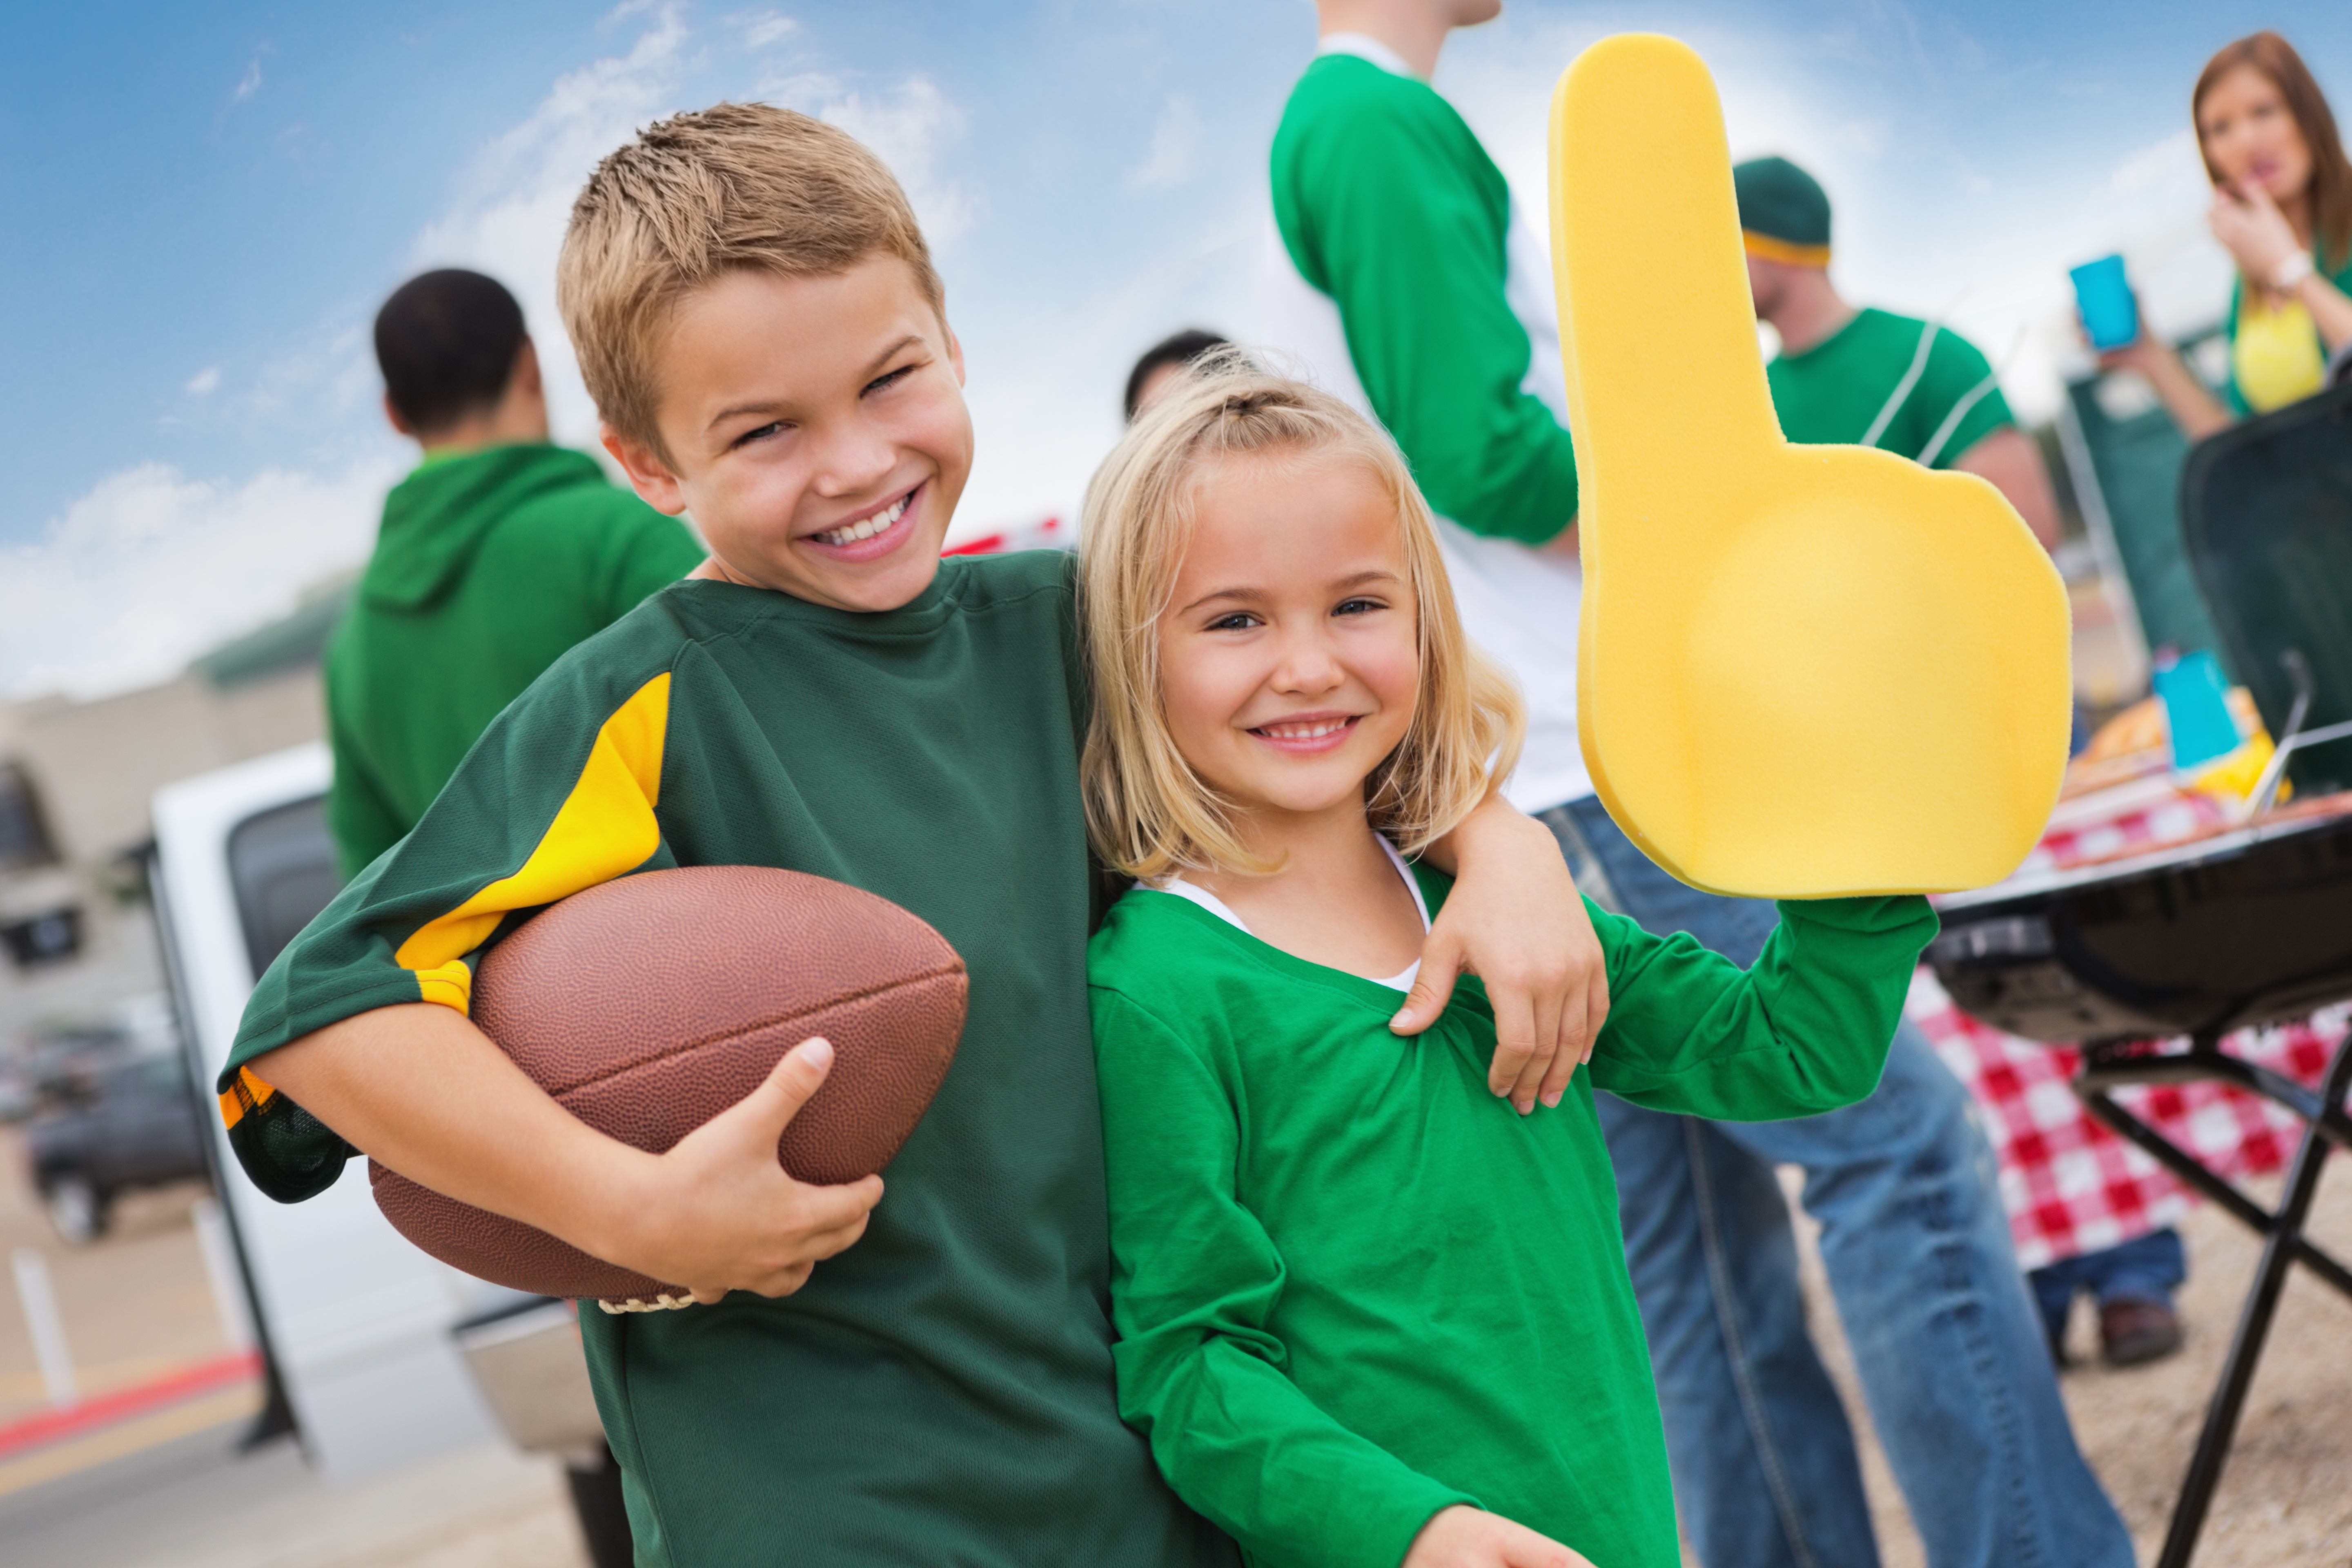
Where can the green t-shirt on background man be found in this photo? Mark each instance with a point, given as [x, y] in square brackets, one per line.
[942, 1392]
[1353, 1287]
[1833, 393]
[487, 568]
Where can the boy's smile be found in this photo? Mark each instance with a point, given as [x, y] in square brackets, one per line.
[816, 428]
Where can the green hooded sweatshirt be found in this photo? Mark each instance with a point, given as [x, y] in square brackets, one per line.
[487, 568]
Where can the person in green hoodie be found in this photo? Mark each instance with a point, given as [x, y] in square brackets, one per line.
[496, 555]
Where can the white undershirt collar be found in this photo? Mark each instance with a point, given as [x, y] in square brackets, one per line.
[1365, 47]
[1195, 893]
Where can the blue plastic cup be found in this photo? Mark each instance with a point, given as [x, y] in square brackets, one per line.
[2197, 709]
[2110, 314]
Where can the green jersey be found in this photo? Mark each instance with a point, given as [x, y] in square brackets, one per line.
[942, 1391]
[1387, 203]
[1871, 372]
[1410, 285]
[1354, 1288]
[487, 568]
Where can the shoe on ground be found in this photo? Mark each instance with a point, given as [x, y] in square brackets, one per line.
[2131, 1332]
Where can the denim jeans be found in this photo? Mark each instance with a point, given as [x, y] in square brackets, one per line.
[2146, 1268]
[1948, 1345]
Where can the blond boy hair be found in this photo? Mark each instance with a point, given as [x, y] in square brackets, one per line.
[734, 187]
[1149, 813]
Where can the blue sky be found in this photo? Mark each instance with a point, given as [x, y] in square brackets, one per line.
[208, 200]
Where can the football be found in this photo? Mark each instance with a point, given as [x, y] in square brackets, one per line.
[649, 1004]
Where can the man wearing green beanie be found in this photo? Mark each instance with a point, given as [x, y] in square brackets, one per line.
[1868, 377]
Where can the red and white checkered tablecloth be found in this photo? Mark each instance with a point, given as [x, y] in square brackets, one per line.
[2142, 814]
[2070, 1185]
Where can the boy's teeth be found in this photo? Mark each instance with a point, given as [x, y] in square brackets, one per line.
[868, 528]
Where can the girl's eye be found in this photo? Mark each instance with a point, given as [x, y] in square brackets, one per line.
[1239, 621]
[1357, 606]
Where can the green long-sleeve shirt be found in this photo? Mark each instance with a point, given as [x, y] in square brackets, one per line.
[487, 568]
[1387, 203]
[1353, 1287]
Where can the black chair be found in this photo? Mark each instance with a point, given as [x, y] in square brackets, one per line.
[2266, 517]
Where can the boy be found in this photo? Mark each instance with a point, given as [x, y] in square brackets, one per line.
[757, 316]
[439, 640]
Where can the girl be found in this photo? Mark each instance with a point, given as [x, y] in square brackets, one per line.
[2283, 208]
[1370, 1312]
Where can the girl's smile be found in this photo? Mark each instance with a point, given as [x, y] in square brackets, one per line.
[1308, 734]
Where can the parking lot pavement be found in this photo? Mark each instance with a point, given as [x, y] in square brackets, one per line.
[135, 1302]
[169, 1488]
[196, 1502]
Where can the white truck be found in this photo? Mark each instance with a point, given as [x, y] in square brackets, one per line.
[374, 1355]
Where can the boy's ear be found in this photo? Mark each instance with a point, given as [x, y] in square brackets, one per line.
[955, 349]
[400, 421]
[649, 475]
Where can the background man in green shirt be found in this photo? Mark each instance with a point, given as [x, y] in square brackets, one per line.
[1409, 283]
[1868, 377]
[494, 556]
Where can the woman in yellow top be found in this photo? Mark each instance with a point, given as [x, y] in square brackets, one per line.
[2283, 207]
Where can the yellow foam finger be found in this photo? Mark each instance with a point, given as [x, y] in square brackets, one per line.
[1804, 671]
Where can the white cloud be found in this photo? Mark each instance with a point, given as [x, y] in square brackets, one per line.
[2165, 163]
[150, 568]
[513, 201]
[1867, 137]
[249, 83]
[1175, 148]
[762, 29]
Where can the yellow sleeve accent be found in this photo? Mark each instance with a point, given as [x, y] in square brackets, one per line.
[247, 1093]
[604, 828]
[1802, 671]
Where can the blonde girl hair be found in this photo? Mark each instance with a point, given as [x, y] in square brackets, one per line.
[1148, 811]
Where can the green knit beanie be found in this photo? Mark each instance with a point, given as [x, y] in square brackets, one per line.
[1784, 214]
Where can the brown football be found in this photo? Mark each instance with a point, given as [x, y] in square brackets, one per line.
[649, 1004]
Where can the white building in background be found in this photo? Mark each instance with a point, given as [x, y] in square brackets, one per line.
[78, 943]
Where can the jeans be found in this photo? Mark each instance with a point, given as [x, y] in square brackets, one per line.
[1948, 1345]
[2146, 1268]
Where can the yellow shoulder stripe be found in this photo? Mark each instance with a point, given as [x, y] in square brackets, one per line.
[604, 828]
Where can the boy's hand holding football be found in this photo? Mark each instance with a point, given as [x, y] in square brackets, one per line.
[1518, 923]
[1460, 1536]
[719, 1214]
[424, 1092]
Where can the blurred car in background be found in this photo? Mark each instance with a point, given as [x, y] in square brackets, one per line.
[110, 1119]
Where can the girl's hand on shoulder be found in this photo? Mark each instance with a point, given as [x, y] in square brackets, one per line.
[1462, 1537]
[1515, 920]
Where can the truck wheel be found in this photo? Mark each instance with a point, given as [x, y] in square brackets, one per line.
[76, 1209]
